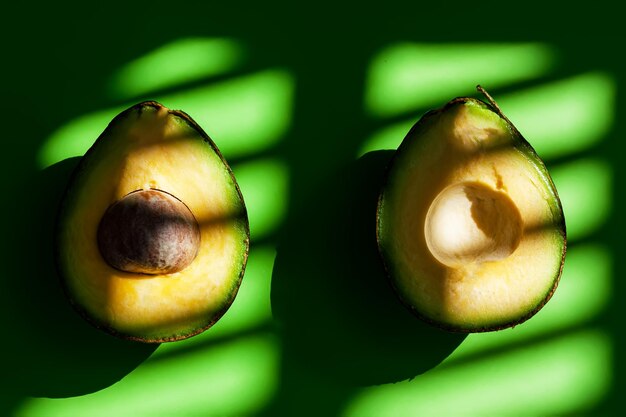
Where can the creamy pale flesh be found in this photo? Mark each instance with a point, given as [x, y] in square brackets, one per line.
[472, 223]
[469, 223]
[153, 149]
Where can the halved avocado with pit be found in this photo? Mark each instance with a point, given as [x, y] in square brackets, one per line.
[152, 236]
[469, 223]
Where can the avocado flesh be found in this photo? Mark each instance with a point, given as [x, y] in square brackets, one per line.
[149, 147]
[469, 225]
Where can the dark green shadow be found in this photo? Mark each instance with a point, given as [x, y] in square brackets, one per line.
[339, 317]
[50, 351]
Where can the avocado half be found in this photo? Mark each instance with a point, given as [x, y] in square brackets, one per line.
[152, 236]
[469, 223]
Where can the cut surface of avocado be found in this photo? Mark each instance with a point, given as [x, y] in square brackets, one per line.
[469, 224]
[152, 234]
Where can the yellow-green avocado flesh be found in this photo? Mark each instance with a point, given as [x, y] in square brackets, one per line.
[151, 153]
[469, 224]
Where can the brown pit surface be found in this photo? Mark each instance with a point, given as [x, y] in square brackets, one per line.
[148, 232]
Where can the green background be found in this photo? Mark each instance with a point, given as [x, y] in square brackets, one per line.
[306, 102]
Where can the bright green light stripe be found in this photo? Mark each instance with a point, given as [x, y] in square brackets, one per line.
[233, 379]
[406, 76]
[178, 62]
[565, 116]
[75, 137]
[243, 116]
[558, 119]
[264, 185]
[389, 137]
[250, 308]
[584, 187]
[583, 292]
[565, 375]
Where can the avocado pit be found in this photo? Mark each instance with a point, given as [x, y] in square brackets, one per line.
[148, 232]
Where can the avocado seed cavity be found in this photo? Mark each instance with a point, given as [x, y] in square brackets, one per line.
[148, 232]
[471, 222]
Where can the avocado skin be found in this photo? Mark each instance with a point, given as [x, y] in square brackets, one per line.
[529, 151]
[73, 179]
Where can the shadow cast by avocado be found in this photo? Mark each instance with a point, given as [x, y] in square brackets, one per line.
[337, 311]
[52, 351]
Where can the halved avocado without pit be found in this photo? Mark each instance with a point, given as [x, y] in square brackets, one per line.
[469, 223]
[152, 236]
